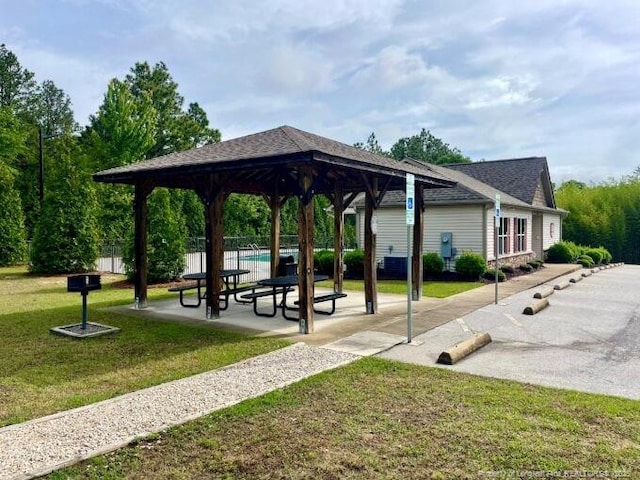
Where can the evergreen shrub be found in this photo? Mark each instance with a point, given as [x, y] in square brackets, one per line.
[525, 267]
[595, 254]
[586, 261]
[470, 265]
[432, 264]
[165, 241]
[490, 274]
[507, 269]
[354, 260]
[323, 262]
[13, 246]
[563, 252]
[65, 238]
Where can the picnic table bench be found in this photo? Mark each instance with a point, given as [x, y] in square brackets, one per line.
[279, 285]
[253, 296]
[327, 297]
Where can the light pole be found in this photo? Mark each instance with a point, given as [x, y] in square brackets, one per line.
[41, 169]
[41, 163]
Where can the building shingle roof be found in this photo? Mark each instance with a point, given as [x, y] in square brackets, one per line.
[519, 177]
[508, 178]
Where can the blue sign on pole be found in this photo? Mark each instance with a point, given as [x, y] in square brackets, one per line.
[411, 191]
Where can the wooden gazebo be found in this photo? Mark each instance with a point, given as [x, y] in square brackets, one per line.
[277, 164]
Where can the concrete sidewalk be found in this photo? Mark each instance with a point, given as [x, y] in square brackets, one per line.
[429, 313]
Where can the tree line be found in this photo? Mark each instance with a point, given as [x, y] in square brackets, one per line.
[605, 214]
[142, 116]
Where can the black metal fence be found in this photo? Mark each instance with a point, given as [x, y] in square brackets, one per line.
[250, 253]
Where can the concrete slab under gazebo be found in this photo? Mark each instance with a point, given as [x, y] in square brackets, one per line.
[278, 164]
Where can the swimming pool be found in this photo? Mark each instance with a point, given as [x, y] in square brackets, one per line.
[266, 257]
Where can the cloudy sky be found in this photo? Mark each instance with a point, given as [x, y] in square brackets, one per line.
[495, 78]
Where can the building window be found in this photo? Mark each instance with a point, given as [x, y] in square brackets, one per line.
[503, 236]
[552, 229]
[520, 238]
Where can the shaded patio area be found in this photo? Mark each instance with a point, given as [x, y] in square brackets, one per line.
[279, 164]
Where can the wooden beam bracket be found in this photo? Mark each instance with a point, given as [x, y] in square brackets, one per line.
[305, 196]
[377, 197]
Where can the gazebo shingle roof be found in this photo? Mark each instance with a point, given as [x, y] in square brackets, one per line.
[283, 146]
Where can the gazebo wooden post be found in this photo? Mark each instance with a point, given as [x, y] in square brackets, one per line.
[418, 243]
[370, 274]
[305, 249]
[213, 198]
[338, 238]
[142, 191]
[275, 203]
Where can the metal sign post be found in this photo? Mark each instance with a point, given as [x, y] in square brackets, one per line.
[410, 190]
[495, 241]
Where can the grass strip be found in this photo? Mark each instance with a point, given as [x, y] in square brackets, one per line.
[379, 419]
[429, 289]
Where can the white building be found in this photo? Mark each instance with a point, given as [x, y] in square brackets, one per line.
[462, 218]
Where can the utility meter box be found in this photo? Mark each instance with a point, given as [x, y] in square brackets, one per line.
[446, 245]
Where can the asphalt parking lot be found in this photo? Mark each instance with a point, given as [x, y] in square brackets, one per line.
[588, 339]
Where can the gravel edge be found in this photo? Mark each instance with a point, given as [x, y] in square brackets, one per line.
[46, 444]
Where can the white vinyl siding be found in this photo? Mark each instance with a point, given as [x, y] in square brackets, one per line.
[547, 220]
[511, 214]
[464, 222]
[392, 231]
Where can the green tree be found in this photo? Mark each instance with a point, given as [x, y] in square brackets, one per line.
[246, 215]
[124, 129]
[372, 146]
[66, 236]
[165, 240]
[16, 83]
[606, 215]
[13, 136]
[50, 109]
[176, 129]
[427, 148]
[122, 132]
[12, 232]
[13, 245]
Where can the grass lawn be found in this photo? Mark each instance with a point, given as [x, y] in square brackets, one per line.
[429, 289]
[42, 373]
[385, 420]
[371, 419]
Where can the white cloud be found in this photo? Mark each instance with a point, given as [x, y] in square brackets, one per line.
[295, 69]
[227, 20]
[395, 67]
[84, 81]
[495, 78]
[504, 92]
